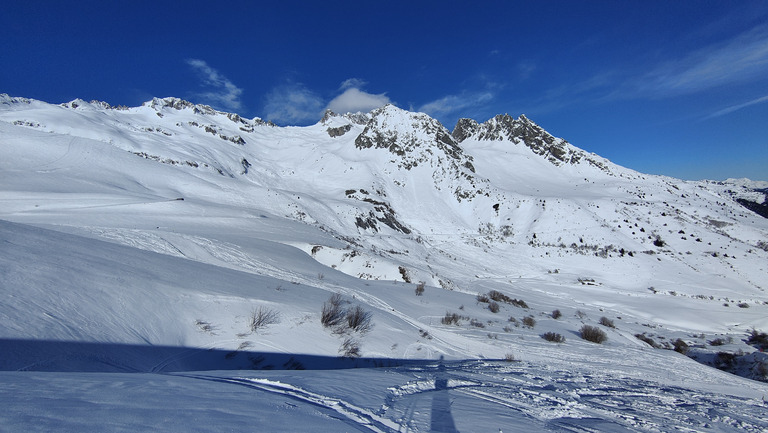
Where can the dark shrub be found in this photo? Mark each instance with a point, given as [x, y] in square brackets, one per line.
[450, 319]
[647, 339]
[717, 342]
[607, 322]
[498, 296]
[529, 321]
[759, 339]
[680, 346]
[350, 348]
[477, 323]
[332, 313]
[420, 288]
[593, 334]
[263, 317]
[553, 337]
[556, 314]
[359, 319]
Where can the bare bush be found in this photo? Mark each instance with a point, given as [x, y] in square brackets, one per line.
[593, 334]
[553, 337]
[450, 319]
[359, 319]
[509, 357]
[420, 288]
[262, 317]
[493, 306]
[350, 348]
[529, 321]
[483, 298]
[333, 313]
[519, 303]
[718, 342]
[607, 322]
[498, 296]
[477, 323]
[759, 339]
[556, 314]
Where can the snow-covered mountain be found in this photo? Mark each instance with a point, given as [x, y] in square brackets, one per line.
[149, 239]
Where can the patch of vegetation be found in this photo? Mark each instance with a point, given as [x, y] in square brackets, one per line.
[553, 337]
[529, 322]
[647, 339]
[718, 342]
[607, 322]
[493, 306]
[680, 346]
[477, 323]
[758, 339]
[451, 319]
[359, 320]
[556, 314]
[332, 313]
[350, 348]
[262, 317]
[420, 288]
[593, 334]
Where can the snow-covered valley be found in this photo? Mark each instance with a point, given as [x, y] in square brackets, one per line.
[169, 268]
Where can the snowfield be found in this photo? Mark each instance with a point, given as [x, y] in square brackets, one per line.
[169, 267]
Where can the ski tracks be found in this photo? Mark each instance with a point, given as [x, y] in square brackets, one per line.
[358, 417]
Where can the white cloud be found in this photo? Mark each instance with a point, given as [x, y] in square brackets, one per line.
[357, 83]
[293, 103]
[223, 92]
[733, 108]
[453, 103]
[353, 100]
[742, 58]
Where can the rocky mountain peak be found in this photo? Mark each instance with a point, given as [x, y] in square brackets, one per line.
[519, 131]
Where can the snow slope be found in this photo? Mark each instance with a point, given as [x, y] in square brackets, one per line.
[145, 240]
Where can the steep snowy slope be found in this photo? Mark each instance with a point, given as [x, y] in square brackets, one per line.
[145, 239]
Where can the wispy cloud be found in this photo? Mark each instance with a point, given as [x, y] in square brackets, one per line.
[293, 103]
[353, 99]
[733, 108]
[222, 92]
[452, 104]
[739, 59]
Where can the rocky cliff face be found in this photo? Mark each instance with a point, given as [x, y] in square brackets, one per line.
[520, 131]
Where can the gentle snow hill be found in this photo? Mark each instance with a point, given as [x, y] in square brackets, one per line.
[146, 239]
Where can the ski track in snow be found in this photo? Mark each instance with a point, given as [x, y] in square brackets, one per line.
[543, 400]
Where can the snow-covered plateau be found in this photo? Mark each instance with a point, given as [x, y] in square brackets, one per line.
[171, 267]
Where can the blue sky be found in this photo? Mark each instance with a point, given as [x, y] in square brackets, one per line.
[666, 87]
